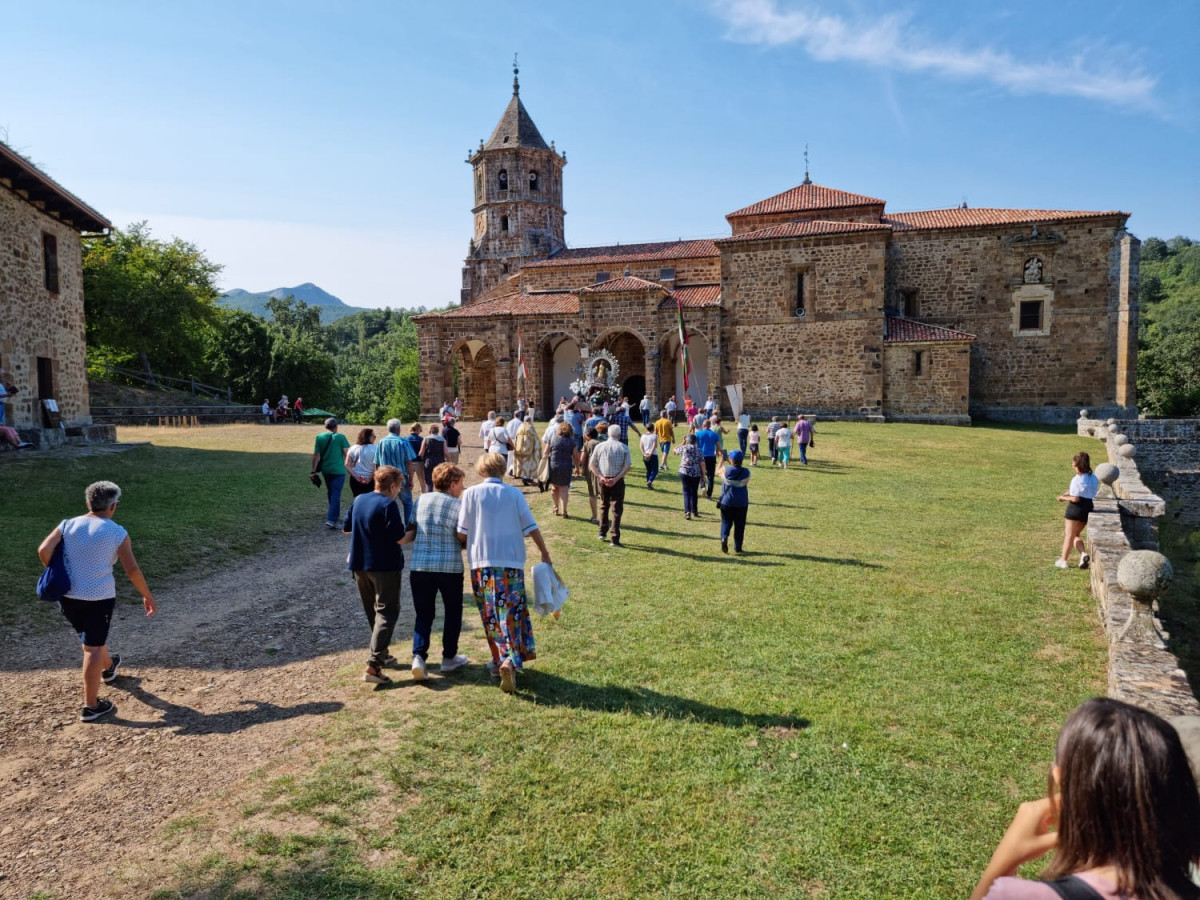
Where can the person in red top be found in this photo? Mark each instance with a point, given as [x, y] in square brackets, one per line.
[298, 410]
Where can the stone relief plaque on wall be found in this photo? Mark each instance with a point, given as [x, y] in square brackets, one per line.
[1033, 270]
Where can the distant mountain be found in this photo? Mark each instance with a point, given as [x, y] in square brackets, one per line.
[332, 308]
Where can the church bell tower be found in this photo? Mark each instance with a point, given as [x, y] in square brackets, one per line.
[518, 200]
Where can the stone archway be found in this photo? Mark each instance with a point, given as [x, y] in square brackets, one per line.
[558, 358]
[630, 353]
[672, 367]
[476, 378]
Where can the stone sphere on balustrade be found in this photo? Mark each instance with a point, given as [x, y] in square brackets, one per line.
[1110, 422]
[1107, 473]
[1083, 414]
[1126, 451]
[1119, 440]
[1145, 574]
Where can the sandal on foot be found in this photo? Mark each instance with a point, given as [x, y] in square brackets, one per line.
[374, 675]
[508, 678]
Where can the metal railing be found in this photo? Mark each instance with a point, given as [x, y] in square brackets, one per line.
[191, 385]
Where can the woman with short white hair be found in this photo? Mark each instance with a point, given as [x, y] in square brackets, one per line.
[92, 543]
[493, 521]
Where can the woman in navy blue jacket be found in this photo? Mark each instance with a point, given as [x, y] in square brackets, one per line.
[734, 501]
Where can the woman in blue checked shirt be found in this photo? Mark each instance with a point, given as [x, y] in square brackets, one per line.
[436, 567]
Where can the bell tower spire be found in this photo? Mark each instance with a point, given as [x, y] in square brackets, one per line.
[518, 199]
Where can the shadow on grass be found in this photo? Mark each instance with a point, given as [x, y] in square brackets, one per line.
[760, 558]
[190, 721]
[553, 690]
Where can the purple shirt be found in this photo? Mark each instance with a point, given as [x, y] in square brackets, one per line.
[803, 430]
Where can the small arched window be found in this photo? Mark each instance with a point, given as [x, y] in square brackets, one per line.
[478, 186]
[504, 223]
[534, 182]
[502, 180]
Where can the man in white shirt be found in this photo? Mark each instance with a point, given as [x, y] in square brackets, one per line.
[610, 462]
[649, 445]
[670, 407]
[485, 431]
[644, 406]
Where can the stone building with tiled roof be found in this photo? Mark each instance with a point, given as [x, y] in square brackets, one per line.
[42, 339]
[818, 301]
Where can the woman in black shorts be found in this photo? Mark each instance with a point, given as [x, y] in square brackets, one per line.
[91, 544]
[1079, 503]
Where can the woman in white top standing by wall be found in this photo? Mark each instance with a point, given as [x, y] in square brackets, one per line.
[91, 545]
[1078, 498]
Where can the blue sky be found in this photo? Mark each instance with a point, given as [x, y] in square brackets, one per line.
[320, 141]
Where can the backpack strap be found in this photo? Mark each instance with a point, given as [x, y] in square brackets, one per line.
[1072, 887]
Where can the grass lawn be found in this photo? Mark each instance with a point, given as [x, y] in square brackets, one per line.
[854, 709]
[190, 501]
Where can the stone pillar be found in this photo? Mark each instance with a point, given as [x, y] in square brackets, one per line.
[506, 385]
[1127, 320]
[715, 378]
[654, 380]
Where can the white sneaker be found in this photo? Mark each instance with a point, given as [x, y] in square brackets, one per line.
[1084, 561]
[418, 669]
[457, 662]
[1060, 564]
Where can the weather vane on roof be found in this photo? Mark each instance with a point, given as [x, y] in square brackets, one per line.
[516, 71]
[807, 180]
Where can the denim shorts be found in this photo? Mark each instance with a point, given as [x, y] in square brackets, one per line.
[89, 618]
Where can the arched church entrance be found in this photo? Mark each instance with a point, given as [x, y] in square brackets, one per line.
[559, 358]
[672, 368]
[629, 351]
[476, 378]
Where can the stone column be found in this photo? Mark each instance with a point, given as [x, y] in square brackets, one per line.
[1127, 321]
[654, 380]
[715, 379]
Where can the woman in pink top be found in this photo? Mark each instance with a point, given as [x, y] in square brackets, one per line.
[1124, 808]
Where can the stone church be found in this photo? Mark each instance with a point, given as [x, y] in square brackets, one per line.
[819, 301]
[42, 338]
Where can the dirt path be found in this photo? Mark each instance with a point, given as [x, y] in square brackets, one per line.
[237, 667]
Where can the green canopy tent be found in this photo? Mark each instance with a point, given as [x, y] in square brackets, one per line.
[314, 413]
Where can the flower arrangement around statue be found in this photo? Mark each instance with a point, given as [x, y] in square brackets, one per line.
[599, 382]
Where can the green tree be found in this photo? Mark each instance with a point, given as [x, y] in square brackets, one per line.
[239, 355]
[149, 300]
[1168, 376]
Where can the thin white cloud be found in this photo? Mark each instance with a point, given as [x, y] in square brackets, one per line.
[890, 42]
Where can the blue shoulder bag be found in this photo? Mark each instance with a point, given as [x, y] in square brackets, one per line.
[54, 582]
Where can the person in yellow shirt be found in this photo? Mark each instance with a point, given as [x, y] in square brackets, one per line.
[665, 432]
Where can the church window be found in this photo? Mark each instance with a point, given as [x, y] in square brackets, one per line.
[667, 273]
[478, 187]
[50, 261]
[602, 276]
[921, 360]
[1030, 316]
[502, 180]
[799, 298]
[908, 303]
[534, 182]
[504, 223]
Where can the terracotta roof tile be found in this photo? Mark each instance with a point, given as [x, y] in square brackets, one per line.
[805, 198]
[957, 217]
[628, 283]
[908, 331]
[817, 228]
[696, 296]
[516, 304]
[625, 253]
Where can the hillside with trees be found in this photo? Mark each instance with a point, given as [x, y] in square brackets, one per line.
[153, 305]
[1168, 378]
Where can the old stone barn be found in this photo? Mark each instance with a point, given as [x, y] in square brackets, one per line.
[42, 337]
[819, 300]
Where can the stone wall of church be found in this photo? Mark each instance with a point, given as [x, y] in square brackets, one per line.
[927, 382]
[829, 360]
[703, 270]
[38, 323]
[973, 280]
[869, 214]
